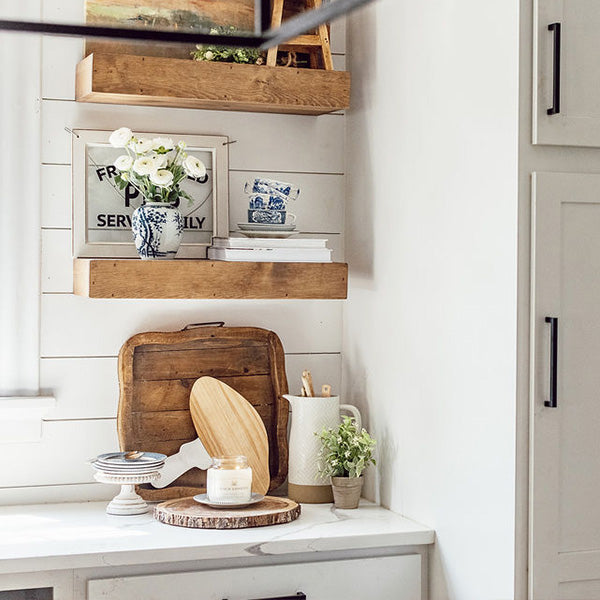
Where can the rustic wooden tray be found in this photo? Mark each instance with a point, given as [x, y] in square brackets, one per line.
[156, 374]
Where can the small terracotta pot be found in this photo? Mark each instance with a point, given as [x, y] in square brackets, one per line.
[346, 491]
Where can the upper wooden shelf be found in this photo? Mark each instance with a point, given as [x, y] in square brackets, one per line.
[180, 83]
[208, 279]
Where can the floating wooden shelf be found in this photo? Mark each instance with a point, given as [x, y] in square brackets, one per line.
[133, 278]
[180, 83]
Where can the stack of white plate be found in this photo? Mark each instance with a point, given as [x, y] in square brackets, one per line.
[121, 463]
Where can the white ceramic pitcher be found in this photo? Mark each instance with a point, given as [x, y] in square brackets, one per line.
[310, 416]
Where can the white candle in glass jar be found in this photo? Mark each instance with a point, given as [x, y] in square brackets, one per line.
[229, 480]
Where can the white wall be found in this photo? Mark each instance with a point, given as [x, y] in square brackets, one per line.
[20, 218]
[431, 237]
[80, 338]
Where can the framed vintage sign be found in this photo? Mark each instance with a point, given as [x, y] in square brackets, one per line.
[102, 212]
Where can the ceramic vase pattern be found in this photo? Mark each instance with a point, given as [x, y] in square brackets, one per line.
[310, 416]
[157, 230]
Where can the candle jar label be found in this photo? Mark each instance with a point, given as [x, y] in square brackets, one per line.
[229, 480]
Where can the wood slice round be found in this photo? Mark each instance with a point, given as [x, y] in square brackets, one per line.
[186, 512]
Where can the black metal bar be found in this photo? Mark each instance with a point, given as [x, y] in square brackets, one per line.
[555, 108]
[292, 28]
[310, 19]
[298, 596]
[553, 402]
[154, 35]
[265, 12]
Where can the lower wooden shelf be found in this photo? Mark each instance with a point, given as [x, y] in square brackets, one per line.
[208, 279]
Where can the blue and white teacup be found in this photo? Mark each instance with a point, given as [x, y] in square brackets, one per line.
[287, 191]
[268, 201]
[265, 216]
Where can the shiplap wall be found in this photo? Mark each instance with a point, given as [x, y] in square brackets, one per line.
[80, 338]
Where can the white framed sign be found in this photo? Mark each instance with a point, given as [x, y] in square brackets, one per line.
[102, 212]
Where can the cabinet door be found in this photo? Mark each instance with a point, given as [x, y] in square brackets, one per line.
[385, 578]
[565, 439]
[574, 76]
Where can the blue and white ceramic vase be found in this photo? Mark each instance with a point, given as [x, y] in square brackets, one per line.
[157, 230]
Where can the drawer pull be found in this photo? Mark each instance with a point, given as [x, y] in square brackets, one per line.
[553, 401]
[298, 596]
[555, 108]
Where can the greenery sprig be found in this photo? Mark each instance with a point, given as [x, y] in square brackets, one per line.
[345, 451]
[213, 53]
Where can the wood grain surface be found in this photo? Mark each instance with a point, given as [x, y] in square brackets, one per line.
[157, 371]
[228, 425]
[186, 512]
[208, 279]
[107, 78]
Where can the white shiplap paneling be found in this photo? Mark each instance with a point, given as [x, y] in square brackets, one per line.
[61, 456]
[56, 196]
[80, 338]
[76, 326]
[88, 388]
[265, 142]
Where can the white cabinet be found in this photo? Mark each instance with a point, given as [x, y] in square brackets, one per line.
[570, 72]
[383, 578]
[565, 452]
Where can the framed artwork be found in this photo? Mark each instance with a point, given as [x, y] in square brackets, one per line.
[102, 212]
[183, 15]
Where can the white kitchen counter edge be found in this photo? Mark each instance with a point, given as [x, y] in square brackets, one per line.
[81, 535]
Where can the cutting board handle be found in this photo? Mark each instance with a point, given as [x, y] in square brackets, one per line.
[210, 324]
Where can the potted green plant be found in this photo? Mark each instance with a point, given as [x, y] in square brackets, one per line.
[345, 453]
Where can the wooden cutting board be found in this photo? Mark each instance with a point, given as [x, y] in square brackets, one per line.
[228, 425]
[157, 371]
[186, 512]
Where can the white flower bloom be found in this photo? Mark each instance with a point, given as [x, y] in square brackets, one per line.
[163, 143]
[194, 167]
[162, 178]
[124, 162]
[143, 145]
[120, 138]
[209, 55]
[144, 166]
[160, 160]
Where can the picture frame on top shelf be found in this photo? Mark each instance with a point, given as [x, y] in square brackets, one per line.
[102, 212]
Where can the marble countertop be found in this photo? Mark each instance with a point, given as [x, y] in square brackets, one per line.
[43, 537]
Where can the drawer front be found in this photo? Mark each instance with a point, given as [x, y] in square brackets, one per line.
[384, 578]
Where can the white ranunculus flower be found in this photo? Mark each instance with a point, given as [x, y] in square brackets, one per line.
[124, 162]
[163, 143]
[120, 138]
[209, 55]
[144, 166]
[160, 160]
[143, 145]
[194, 167]
[162, 178]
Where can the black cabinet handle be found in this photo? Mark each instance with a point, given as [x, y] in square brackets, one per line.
[298, 596]
[553, 402]
[555, 108]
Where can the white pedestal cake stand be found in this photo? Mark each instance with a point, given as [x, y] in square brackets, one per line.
[127, 502]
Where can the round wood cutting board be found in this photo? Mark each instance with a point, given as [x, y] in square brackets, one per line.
[186, 512]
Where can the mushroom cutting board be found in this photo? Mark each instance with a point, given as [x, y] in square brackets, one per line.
[157, 371]
[228, 425]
